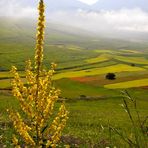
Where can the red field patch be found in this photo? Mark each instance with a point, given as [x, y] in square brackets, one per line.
[95, 80]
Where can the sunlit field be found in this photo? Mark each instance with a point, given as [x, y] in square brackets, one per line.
[128, 84]
[88, 94]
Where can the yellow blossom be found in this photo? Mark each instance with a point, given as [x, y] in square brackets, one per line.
[37, 98]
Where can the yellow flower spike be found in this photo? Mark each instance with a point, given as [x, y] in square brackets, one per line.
[21, 128]
[37, 99]
[40, 36]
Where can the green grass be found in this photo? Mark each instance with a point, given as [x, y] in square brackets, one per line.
[76, 57]
[6, 83]
[8, 74]
[17, 53]
[73, 89]
[135, 60]
[100, 58]
[131, 51]
[7, 101]
[87, 118]
[103, 51]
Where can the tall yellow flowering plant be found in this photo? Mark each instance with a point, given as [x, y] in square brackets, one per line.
[37, 98]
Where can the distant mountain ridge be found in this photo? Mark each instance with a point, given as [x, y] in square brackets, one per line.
[15, 28]
[23, 30]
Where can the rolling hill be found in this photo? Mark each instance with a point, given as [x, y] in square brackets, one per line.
[62, 44]
[77, 52]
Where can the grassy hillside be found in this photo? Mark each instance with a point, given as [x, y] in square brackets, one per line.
[65, 45]
[80, 55]
[83, 62]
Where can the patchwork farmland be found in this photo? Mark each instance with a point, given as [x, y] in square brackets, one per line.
[94, 102]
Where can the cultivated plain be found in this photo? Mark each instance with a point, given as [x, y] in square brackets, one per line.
[83, 62]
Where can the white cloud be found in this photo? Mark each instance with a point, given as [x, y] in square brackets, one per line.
[16, 9]
[131, 20]
[105, 21]
[89, 2]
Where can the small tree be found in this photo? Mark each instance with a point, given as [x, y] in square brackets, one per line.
[133, 64]
[35, 127]
[110, 76]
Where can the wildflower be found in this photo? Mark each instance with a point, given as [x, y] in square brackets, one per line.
[37, 100]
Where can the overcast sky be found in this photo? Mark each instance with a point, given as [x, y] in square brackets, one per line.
[93, 15]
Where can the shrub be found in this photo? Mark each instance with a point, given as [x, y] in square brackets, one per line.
[110, 76]
[133, 64]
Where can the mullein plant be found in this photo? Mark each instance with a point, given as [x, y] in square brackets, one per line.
[36, 127]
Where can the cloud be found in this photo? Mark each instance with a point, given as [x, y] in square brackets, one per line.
[128, 19]
[15, 8]
[103, 21]
[89, 2]
[133, 20]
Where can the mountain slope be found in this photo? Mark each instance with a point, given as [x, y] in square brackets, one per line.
[24, 30]
[64, 44]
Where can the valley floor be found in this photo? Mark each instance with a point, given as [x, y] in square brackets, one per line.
[94, 102]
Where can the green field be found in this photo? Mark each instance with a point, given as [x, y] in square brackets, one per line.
[135, 60]
[93, 101]
[100, 58]
[88, 119]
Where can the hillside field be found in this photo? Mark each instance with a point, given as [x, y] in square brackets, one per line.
[86, 77]
[93, 101]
